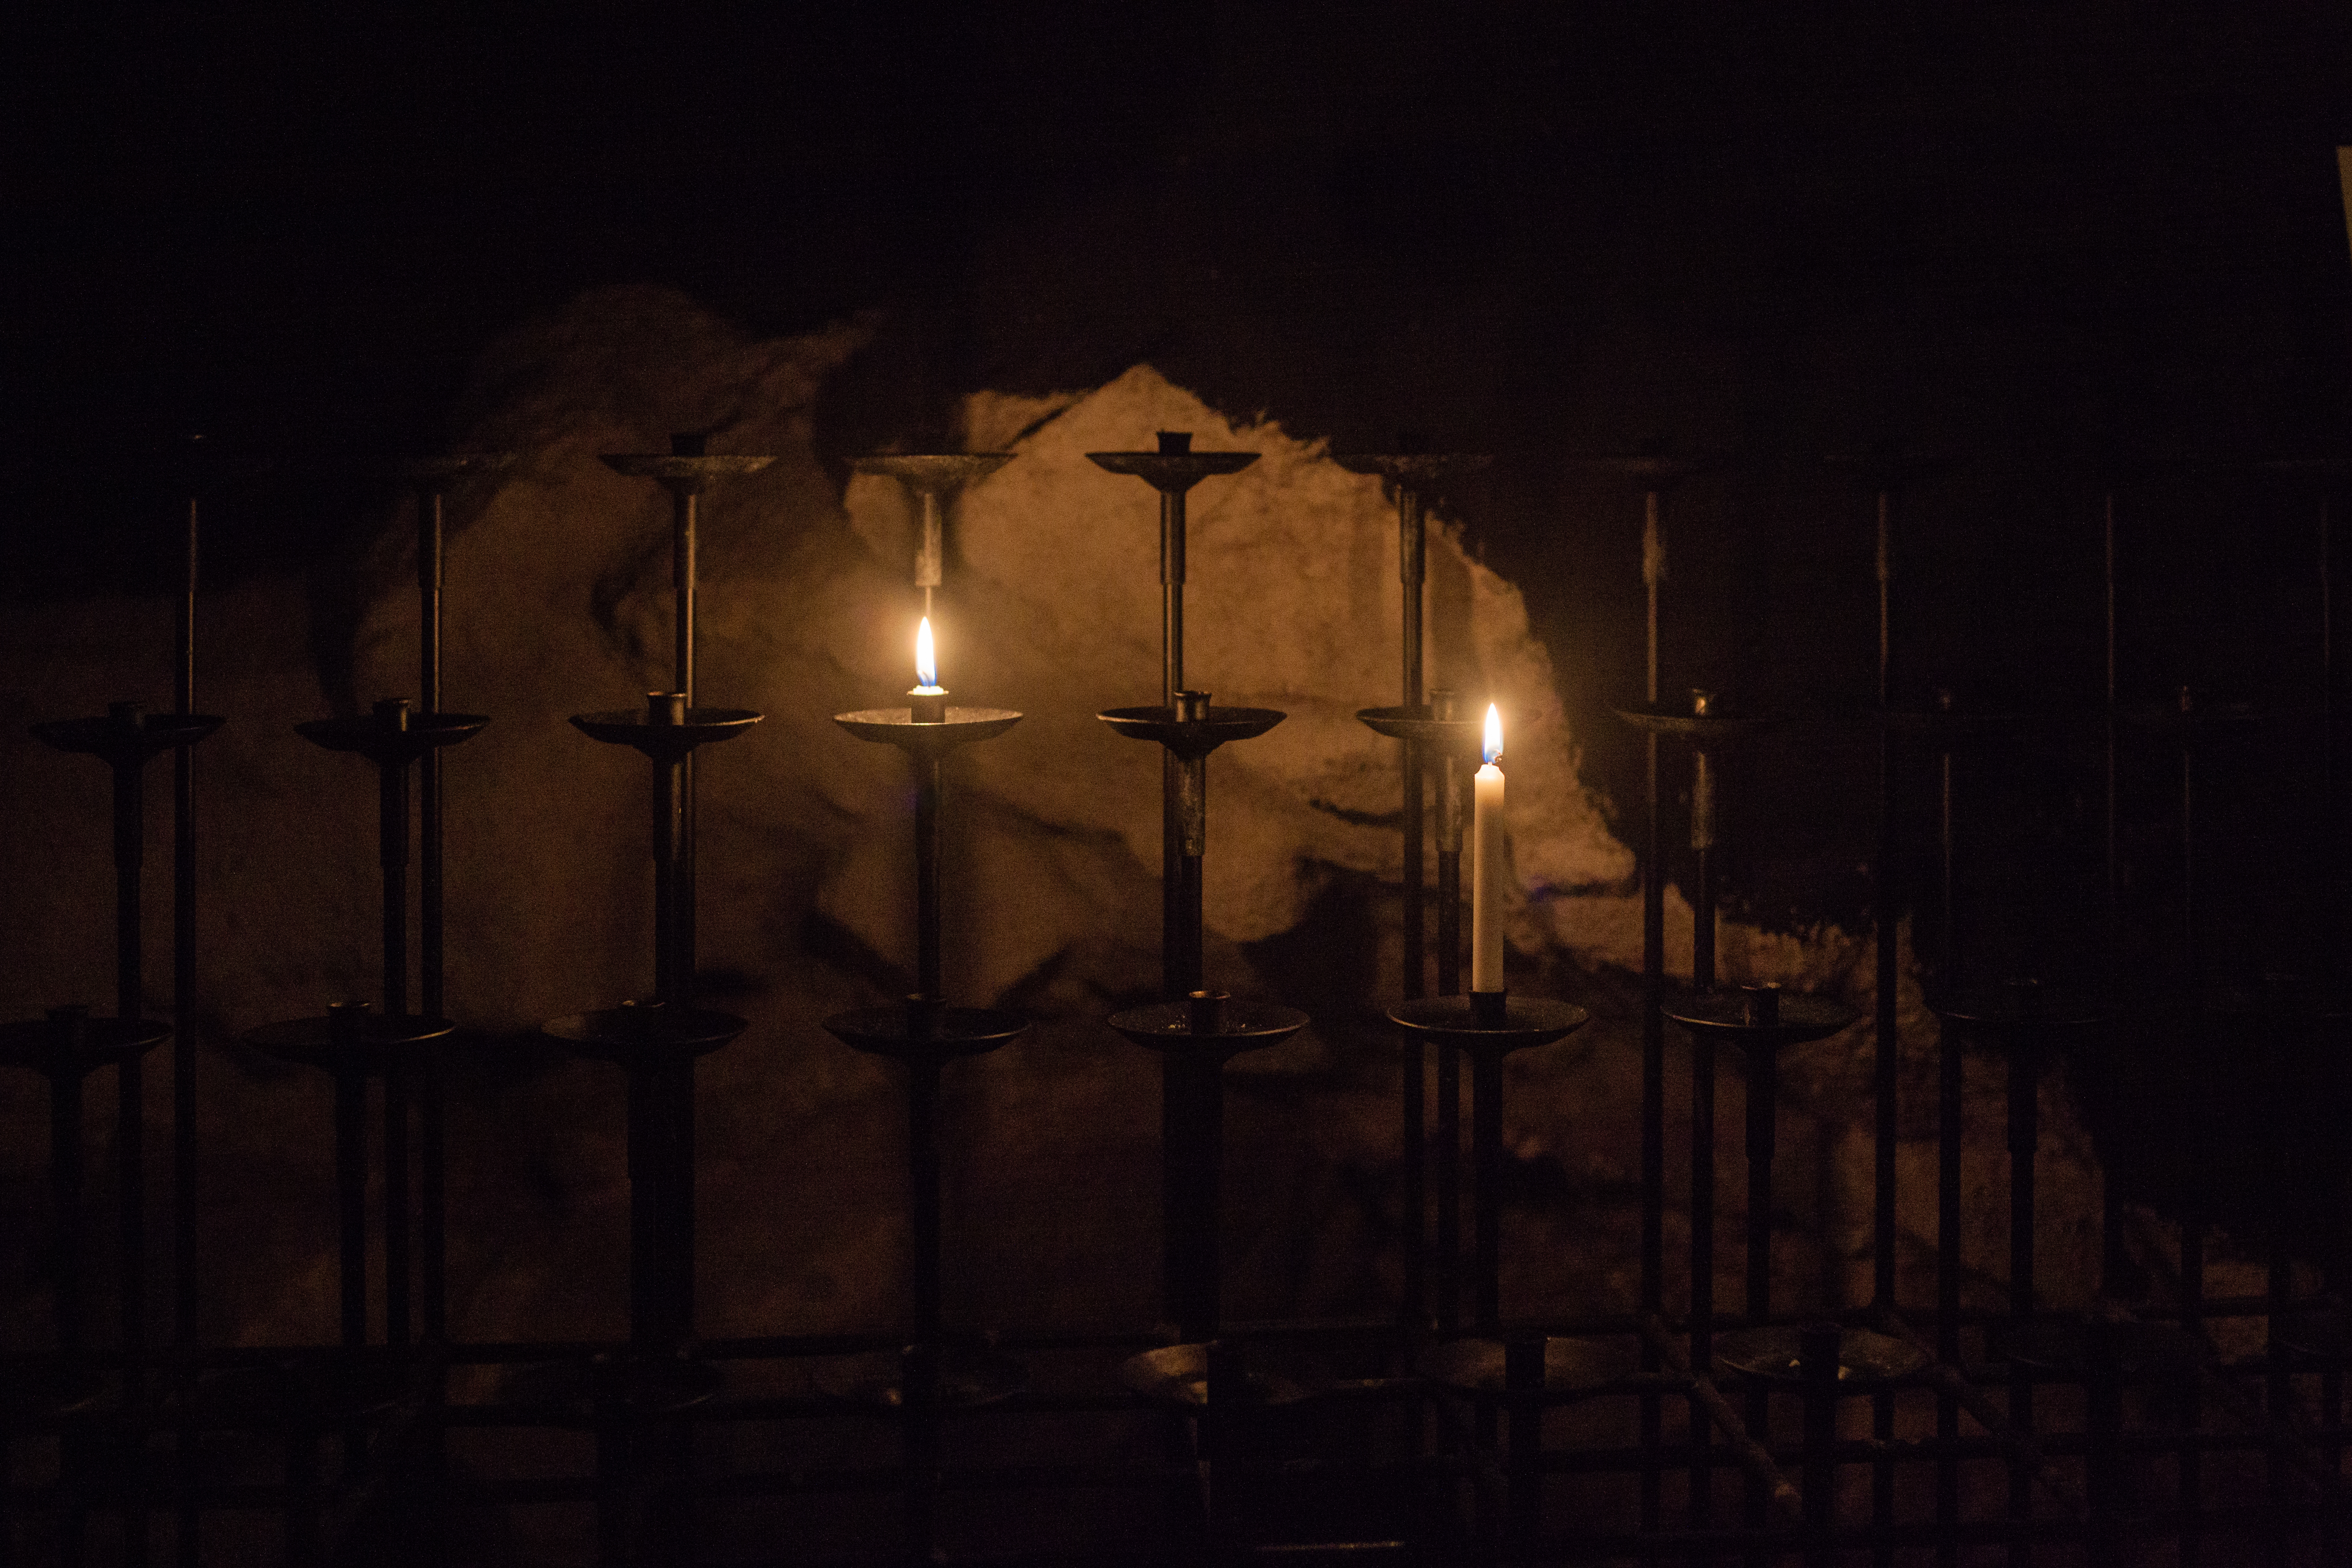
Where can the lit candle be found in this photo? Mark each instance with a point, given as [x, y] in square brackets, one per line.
[1486, 872]
[929, 698]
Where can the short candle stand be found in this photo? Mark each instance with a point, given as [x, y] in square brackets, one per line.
[2025, 1021]
[1432, 730]
[1758, 1021]
[925, 1034]
[931, 478]
[1823, 1363]
[1211, 1378]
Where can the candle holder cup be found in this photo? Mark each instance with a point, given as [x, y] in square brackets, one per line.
[931, 478]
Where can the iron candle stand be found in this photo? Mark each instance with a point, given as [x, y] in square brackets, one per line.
[1527, 1374]
[657, 1045]
[925, 1034]
[2025, 1021]
[1196, 1037]
[1192, 1096]
[686, 471]
[931, 478]
[1758, 1023]
[395, 739]
[1711, 731]
[1434, 730]
[431, 479]
[1415, 475]
[1173, 471]
[126, 740]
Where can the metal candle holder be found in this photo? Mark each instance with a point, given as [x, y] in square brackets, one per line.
[1472, 1025]
[931, 478]
[430, 480]
[395, 739]
[1173, 471]
[1432, 730]
[1758, 1021]
[1412, 475]
[127, 739]
[925, 1034]
[1654, 474]
[656, 1045]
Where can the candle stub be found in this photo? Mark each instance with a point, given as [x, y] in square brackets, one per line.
[1489, 838]
[928, 702]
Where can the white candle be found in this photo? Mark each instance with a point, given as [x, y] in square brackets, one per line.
[1487, 871]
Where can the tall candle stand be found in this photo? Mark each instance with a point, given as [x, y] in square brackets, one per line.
[1428, 730]
[1183, 717]
[1711, 732]
[126, 740]
[925, 1034]
[1198, 1035]
[1654, 474]
[1760, 1022]
[931, 478]
[430, 479]
[1414, 476]
[1888, 475]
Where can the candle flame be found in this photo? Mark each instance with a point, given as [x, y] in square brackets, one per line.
[926, 664]
[1493, 750]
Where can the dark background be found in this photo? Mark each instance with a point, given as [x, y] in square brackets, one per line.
[2058, 246]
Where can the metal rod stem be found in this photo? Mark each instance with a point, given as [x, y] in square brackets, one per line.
[183, 1025]
[2111, 1230]
[1818, 1365]
[1654, 1022]
[1763, 1076]
[2025, 1139]
[1448, 1148]
[351, 1171]
[1702, 1267]
[924, 1174]
[66, 1172]
[131, 1097]
[1951, 1063]
[926, 878]
[1486, 1155]
[1199, 1086]
[1887, 1044]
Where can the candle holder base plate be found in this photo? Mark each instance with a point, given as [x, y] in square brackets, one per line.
[1168, 1027]
[1709, 732]
[1413, 723]
[39, 1043]
[1867, 1361]
[644, 1036]
[1178, 1375]
[2145, 1352]
[1527, 1021]
[1724, 1015]
[382, 1043]
[896, 727]
[116, 739]
[970, 1377]
[913, 1032]
[1572, 1367]
[1191, 738]
[366, 735]
[664, 743]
